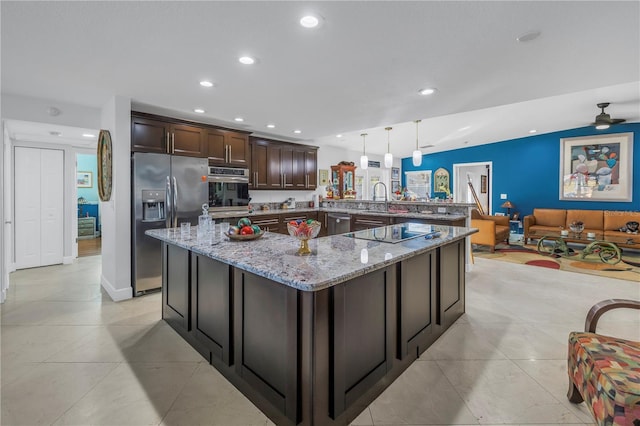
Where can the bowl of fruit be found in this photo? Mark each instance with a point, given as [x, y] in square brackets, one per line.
[304, 230]
[244, 231]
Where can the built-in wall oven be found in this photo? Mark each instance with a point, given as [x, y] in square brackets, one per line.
[228, 188]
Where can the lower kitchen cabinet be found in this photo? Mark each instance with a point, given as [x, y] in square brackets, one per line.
[270, 223]
[176, 301]
[288, 217]
[361, 222]
[457, 222]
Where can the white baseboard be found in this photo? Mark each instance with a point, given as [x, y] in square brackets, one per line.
[67, 260]
[116, 294]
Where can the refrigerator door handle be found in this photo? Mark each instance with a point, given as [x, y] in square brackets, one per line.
[169, 211]
[175, 203]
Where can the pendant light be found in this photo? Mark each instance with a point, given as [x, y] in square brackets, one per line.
[417, 154]
[364, 160]
[388, 157]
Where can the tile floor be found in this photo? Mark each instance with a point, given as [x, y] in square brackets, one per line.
[70, 356]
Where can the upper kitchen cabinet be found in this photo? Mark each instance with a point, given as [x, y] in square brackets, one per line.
[282, 165]
[166, 137]
[227, 148]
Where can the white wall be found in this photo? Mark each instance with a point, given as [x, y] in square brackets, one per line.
[35, 110]
[116, 213]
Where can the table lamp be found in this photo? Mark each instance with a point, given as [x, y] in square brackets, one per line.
[508, 205]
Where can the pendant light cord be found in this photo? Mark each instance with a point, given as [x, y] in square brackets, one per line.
[417, 122]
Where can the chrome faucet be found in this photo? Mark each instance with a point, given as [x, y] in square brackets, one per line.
[386, 199]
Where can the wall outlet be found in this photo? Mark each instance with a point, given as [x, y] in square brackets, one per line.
[442, 209]
[503, 196]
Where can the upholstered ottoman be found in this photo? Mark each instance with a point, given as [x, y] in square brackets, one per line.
[604, 371]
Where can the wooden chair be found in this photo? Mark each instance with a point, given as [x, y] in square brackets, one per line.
[604, 371]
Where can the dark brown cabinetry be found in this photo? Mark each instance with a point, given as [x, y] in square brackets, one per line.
[282, 165]
[175, 286]
[148, 135]
[166, 135]
[288, 217]
[360, 222]
[457, 222]
[227, 148]
[270, 223]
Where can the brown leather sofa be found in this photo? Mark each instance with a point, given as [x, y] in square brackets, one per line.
[601, 222]
[491, 229]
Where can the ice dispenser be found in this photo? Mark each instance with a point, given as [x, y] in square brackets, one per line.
[153, 205]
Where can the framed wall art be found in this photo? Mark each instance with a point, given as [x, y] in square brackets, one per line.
[395, 173]
[596, 168]
[483, 184]
[323, 177]
[84, 179]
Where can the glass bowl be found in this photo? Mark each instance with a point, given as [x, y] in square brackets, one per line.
[576, 228]
[304, 232]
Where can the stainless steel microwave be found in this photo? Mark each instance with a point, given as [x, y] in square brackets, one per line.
[228, 187]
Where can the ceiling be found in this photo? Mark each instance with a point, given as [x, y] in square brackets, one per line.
[359, 71]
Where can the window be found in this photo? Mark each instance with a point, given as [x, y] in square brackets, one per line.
[419, 182]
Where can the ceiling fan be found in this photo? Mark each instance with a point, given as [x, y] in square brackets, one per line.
[604, 120]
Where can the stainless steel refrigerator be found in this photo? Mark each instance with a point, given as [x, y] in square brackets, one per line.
[166, 191]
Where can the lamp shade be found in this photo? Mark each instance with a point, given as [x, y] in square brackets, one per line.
[388, 160]
[417, 158]
[364, 162]
[507, 205]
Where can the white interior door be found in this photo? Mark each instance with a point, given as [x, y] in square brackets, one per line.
[38, 206]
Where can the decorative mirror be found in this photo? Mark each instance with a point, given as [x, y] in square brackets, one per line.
[104, 165]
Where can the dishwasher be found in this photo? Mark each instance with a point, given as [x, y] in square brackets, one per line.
[338, 223]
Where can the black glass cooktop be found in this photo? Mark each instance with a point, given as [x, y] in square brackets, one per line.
[394, 233]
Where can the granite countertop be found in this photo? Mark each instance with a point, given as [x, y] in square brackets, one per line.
[412, 215]
[335, 259]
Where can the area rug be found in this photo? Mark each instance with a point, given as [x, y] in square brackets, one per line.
[628, 269]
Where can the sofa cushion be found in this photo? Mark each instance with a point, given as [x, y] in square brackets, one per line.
[592, 219]
[614, 220]
[550, 217]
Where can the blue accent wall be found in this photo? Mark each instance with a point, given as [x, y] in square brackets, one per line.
[527, 169]
[88, 163]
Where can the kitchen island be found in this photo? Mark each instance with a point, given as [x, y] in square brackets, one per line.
[313, 339]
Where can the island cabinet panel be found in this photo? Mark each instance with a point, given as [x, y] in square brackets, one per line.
[451, 283]
[211, 301]
[175, 286]
[363, 329]
[266, 340]
[417, 305]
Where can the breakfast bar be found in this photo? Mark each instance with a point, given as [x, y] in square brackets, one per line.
[313, 340]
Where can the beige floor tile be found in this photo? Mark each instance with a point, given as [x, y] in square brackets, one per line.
[421, 395]
[363, 419]
[134, 343]
[132, 394]
[35, 343]
[498, 391]
[44, 393]
[463, 341]
[209, 417]
[552, 375]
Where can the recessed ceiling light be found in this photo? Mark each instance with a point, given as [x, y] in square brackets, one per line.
[239, 119]
[88, 135]
[428, 91]
[206, 83]
[338, 136]
[54, 133]
[309, 21]
[247, 60]
[297, 131]
[530, 36]
[532, 131]
[199, 110]
[465, 142]
[271, 126]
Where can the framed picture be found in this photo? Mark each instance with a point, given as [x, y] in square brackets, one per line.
[84, 179]
[596, 168]
[323, 177]
[395, 186]
[483, 184]
[395, 173]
